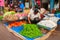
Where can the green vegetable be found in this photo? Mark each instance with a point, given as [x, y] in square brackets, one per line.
[7, 13]
[31, 31]
[12, 12]
[1, 17]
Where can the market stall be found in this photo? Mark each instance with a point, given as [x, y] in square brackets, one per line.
[20, 28]
[16, 24]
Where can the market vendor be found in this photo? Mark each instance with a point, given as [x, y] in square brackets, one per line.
[34, 17]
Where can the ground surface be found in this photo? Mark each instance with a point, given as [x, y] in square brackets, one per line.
[6, 35]
[55, 35]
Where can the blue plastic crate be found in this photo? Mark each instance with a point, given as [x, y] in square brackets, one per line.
[57, 15]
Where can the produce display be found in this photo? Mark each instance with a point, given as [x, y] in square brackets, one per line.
[21, 16]
[15, 24]
[47, 24]
[7, 13]
[31, 31]
[10, 17]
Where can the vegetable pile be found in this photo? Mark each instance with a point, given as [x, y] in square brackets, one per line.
[7, 13]
[9, 16]
[15, 24]
[1, 17]
[31, 31]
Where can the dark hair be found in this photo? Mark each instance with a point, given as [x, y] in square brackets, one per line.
[35, 10]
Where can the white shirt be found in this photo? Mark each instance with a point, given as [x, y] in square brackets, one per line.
[32, 16]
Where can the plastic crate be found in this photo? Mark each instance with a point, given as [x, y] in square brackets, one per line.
[57, 15]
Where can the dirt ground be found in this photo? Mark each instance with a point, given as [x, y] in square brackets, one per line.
[6, 35]
[56, 34]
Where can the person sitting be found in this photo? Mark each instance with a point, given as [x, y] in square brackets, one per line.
[21, 5]
[17, 9]
[34, 17]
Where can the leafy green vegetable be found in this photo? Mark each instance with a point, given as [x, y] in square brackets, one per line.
[31, 31]
[7, 13]
[1, 17]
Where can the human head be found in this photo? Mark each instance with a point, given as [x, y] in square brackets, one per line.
[35, 11]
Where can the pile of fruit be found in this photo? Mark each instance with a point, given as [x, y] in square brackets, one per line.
[31, 31]
[15, 24]
[7, 13]
[9, 16]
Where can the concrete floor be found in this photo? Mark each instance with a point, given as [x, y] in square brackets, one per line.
[6, 35]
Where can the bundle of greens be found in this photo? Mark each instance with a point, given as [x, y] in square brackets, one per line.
[1, 17]
[31, 31]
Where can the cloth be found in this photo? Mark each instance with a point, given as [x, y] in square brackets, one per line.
[33, 16]
[21, 6]
[2, 3]
[38, 2]
[33, 3]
